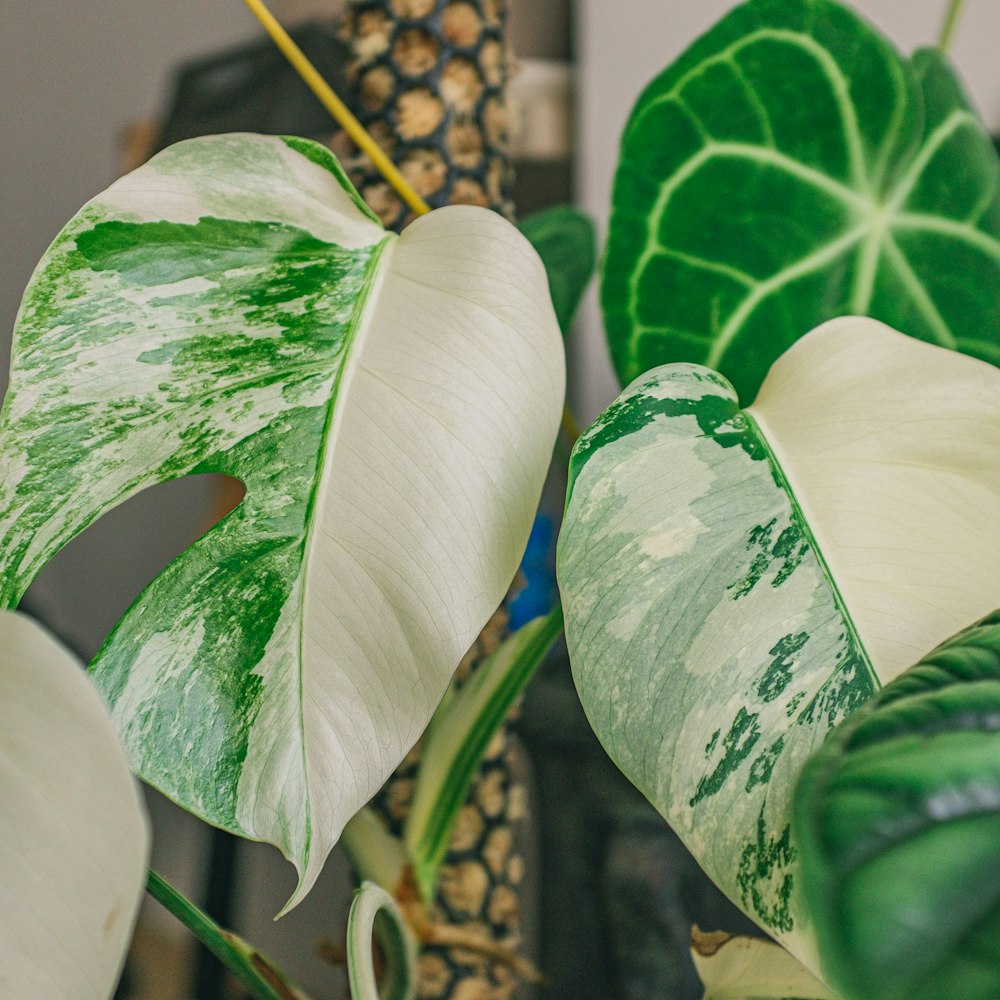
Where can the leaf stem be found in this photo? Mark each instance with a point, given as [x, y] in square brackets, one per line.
[375, 913]
[255, 972]
[377, 856]
[951, 19]
[337, 108]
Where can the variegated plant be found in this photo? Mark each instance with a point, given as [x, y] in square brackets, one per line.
[390, 404]
[736, 582]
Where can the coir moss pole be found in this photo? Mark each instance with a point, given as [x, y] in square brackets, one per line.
[428, 83]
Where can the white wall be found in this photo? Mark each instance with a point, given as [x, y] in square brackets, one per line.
[623, 44]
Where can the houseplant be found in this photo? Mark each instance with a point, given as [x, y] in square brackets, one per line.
[121, 264]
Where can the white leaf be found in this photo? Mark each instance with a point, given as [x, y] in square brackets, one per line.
[73, 833]
[746, 968]
[389, 402]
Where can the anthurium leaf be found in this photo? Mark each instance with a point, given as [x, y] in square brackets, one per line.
[735, 583]
[790, 167]
[73, 832]
[390, 404]
[745, 968]
[567, 243]
[898, 822]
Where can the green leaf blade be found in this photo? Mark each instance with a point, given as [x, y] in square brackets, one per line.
[567, 243]
[381, 400]
[458, 737]
[788, 168]
[898, 821]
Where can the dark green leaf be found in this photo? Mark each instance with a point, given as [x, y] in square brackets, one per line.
[565, 240]
[899, 832]
[791, 167]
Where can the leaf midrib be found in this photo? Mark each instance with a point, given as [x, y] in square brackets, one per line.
[758, 425]
[358, 328]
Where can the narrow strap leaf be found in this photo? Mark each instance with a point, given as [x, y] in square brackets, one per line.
[458, 738]
[259, 976]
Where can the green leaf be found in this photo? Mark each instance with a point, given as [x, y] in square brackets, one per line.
[898, 819]
[390, 404]
[565, 240]
[458, 737]
[260, 977]
[73, 832]
[735, 583]
[745, 968]
[791, 167]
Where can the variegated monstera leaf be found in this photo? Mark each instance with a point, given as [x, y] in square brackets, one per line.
[390, 404]
[737, 582]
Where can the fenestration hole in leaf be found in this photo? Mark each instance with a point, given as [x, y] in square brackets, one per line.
[91, 581]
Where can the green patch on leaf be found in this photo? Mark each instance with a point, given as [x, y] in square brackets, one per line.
[738, 744]
[765, 879]
[779, 671]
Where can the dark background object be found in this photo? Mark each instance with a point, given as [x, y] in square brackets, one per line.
[254, 89]
[619, 891]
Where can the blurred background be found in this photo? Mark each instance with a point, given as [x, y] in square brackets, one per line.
[84, 88]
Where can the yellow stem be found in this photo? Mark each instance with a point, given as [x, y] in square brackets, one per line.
[341, 113]
[951, 17]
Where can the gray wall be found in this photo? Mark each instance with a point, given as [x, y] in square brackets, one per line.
[73, 75]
